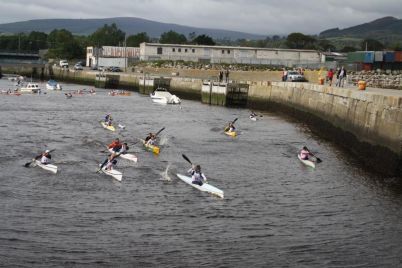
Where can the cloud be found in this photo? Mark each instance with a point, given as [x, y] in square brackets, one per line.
[254, 16]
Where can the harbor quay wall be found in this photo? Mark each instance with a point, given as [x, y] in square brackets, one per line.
[366, 123]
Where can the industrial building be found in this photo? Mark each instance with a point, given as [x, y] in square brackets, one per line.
[112, 56]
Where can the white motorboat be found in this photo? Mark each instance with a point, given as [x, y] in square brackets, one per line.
[161, 95]
[53, 85]
[30, 88]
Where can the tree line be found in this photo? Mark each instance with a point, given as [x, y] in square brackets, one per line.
[61, 43]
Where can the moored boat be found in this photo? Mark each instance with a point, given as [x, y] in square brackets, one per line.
[205, 187]
[161, 95]
[49, 167]
[30, 88]
[53, 85]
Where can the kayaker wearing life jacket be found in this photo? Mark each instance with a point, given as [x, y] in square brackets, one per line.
[111, 164]
[230, 127]
[152, 140]
[304, 153]
[44, 157]
[198, 177]
[124, 148]
[115, 145]
[108, 118]
[148, 137]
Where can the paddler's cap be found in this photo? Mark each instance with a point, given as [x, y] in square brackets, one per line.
[304, 148]
[47, 151]
[197, 168]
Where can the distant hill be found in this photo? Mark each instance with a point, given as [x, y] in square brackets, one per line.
[387, 29]
[129, 25]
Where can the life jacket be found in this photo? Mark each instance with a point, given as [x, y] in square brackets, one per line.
[45, 159]
[198, 176]
[304, 154]
[115, 145]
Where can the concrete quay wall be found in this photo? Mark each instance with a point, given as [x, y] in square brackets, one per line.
[367, 123]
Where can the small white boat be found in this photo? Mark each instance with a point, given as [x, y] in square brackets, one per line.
[53, 85]
[127, 156]
[30, 88]
[114, 173]
[204, 188]
[161, 95]
[306, 162]
[49, 167]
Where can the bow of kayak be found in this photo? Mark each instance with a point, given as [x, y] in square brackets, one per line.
[111, 128]
[231, 133]
[114, 173]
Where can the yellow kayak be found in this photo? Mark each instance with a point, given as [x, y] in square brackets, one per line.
[151, 148]
[111, 128]
[231, 133]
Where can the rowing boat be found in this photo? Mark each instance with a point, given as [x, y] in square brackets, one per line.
[204, 188]
[114, 173]
[152, 148]
[111, 128]
[306, 162]
[231, 133]
[126, 156]
[49, 167]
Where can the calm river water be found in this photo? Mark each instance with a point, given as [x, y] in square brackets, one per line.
[276, 212]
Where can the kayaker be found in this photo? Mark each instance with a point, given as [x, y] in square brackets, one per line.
[305, 153]
[253, 114]
[230, 127]
[124, 148]
[115, 145]
[191, 170]
[152, 140]
[111, 164]
[148, 137]
[108, 118]
[44, 157]
[198, 177]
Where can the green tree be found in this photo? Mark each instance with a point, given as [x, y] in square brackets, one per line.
[204, 40]
[371, 44]
[172, 37]
[300, 41]
[107, 36]
[137, 39]
[326, 45]
[63, 45]
[348, 49]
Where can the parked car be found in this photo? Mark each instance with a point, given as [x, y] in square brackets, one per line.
[78, 67]
[294, 76]
[115, 69]
[63, 64]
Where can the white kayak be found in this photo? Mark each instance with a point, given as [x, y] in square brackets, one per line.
[253, 118]
[204, 188]
[49, 167]
[114, 173]
[306, 162]
[127, 156]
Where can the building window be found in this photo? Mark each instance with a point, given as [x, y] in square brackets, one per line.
[223, 51]
[159, 51]
[185, 50]
[173, 50]
[179, 49]
[193, 50]
[228, 51]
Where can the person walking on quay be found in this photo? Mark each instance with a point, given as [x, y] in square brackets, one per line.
[284, 75]
[330, 76]
[341, 75]
[220, 76]
[227, 75]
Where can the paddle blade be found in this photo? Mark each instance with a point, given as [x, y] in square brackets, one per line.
[318, 160]
[186, 158]
[27, 164]
[156, 134]
[234, 120]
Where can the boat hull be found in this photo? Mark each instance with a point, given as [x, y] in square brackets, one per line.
[306, 162]
[48, 167]
[204, 188]
[111, 128]
[117, 175]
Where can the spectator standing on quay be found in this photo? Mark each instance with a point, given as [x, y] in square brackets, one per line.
[330, 76]
[220, 76]
[341, 75]
[227, 75]
[284, 75]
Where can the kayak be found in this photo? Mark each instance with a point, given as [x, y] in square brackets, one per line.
[231, 133]
[111, 128]
[114, 173]
[49, 167]
[306, 162]
[253, 118]
[151, 148]
[204, 188]
[127, 156]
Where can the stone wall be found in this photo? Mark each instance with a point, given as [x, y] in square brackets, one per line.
[378, 79]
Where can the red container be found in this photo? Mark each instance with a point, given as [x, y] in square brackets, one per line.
[367, 66]
[398, 56]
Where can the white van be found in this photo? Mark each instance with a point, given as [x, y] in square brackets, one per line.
[63, 64]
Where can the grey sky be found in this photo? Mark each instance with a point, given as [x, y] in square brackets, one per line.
[265, 17]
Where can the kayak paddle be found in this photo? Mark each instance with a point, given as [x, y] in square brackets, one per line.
[318, 159]
[156, 134]
[186, 158]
